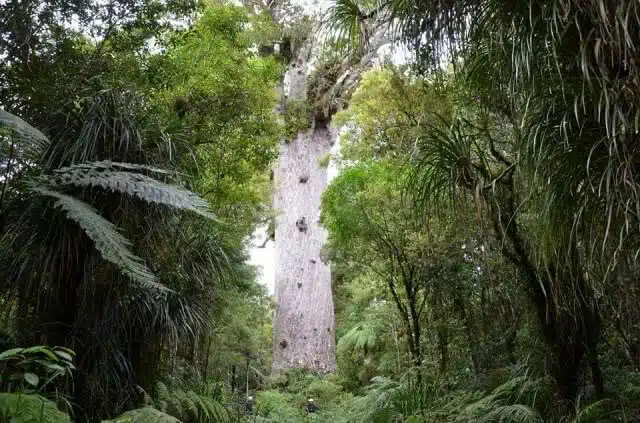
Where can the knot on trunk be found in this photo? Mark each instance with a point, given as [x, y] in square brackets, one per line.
[301, 224]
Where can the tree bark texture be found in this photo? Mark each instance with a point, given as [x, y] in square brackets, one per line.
[304, 323]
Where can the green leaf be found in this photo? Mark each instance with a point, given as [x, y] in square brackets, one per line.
[10, 353]
[65, 355]
[51, 366]
[32, 379]
[41, 349]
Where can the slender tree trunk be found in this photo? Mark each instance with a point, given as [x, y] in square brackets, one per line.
[443, 347]
[247, 379]
[472, 339]
[233, 379]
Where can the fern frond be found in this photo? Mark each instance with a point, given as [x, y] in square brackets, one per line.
[108, 164]
[363, 337]
[176, 401]
[594, 412]
[144, 415]
[162, 406]
[202, 410]
[30, 409]
[37, 141]
[515, 413]
[146, 398]
[187, 404]
[216, 410]
[134, 184]
[511, 386]
[162, 392]
[113, 247]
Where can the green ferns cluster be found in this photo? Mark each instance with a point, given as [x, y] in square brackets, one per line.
[186, 406]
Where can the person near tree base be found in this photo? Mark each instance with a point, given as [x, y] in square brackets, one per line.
[248, 406]
[311, 406]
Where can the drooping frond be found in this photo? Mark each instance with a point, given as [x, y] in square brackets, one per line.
[433, 28]
[594, 412]
[113, 247]
[444, 166]
[162, 392]
[108, 127]
[216, 411]
[345, 24]
[34, 141]
[133, 184]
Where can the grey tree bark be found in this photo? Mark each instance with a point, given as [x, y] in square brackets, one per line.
[304, 323]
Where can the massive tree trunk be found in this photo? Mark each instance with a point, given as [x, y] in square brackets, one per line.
[303, 325]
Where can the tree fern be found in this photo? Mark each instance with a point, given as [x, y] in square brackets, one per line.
[112, 246]
[189, 409]
[134, 184]
[217, 412]
[146, 398]
[502, 404]
[23, 408]
[201, 409]
[108, 164]
[363, 337]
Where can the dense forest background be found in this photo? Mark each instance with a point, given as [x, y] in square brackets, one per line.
[483, 230]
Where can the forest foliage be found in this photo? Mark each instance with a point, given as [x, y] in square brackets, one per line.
[484, 228]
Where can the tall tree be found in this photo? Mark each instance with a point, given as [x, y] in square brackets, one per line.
[303, 326]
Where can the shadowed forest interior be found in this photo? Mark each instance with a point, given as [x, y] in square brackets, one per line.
[451, 190]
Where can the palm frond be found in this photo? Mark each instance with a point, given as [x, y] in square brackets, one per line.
[112, 246]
